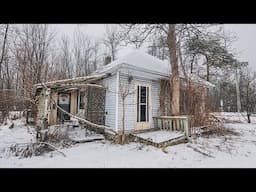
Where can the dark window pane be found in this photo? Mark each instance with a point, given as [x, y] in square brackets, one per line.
[147, 103]
[143, 113]
[138, 104]
[81, 106]
[143, 95]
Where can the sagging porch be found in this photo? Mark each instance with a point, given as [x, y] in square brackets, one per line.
[167, 131]
[82, 97]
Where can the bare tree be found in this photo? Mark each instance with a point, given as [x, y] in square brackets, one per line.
[65, 58]
[31, 43]
[124, 92]
[83, 51]
[95, 55]
[238, 99]
[248, 90]
[32, 46]
[140, 33]
[174, 77]
[3, 53]
[112, 40]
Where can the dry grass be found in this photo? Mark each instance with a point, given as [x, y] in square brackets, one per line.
[218, 129]
[29, 149]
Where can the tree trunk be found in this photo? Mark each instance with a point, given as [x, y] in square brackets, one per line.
[207, 72]
[123, 119]
[181, 62]
[238, 101]
[191, 64]
[247, 103]
[2, 56]
[174, 77]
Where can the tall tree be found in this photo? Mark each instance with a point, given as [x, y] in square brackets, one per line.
[111, 40]
[174, 77]
[82, 50]
[31, 50]
[214, 53]
[174, 35]
[66, 67]
[3, 54]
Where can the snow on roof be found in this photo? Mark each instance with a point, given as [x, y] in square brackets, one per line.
[138, 59]
[141, 60]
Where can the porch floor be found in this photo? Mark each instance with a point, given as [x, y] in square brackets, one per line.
[161, 135]
[160, 138]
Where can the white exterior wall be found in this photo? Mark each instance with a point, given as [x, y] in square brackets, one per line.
[130, 102]
[131, 105]
[110, 102]
[155, 94]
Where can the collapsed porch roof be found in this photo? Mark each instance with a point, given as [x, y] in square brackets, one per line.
[72, 81]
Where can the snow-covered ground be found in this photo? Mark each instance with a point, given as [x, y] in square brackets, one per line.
[18, 134]
[223, 151]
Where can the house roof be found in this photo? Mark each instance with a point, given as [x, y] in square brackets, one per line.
[138, 60]
[142, 61]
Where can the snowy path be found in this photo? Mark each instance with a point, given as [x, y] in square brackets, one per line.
[229, 151]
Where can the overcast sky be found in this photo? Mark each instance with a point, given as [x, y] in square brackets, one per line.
[245, 45]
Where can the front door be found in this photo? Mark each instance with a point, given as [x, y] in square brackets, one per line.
[64, 103]
[143, 106]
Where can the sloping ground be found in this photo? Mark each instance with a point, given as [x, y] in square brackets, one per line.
[224, 151]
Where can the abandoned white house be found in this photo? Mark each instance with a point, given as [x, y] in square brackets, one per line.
[139, 73]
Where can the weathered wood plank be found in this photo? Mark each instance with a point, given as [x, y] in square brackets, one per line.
[73, 104]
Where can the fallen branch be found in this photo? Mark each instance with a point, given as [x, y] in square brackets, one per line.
[200, 151]
[53, 147]
[164, 150]
[30, 149]
[88, 140]
[86, 121]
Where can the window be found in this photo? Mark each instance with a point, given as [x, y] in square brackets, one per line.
[81, 100]
[142, 104]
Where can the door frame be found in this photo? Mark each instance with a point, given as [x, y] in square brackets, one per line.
[58, 94]
[146, 124]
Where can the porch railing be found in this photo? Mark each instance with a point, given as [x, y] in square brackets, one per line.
[172, 123]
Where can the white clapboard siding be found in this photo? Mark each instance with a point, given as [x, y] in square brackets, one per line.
[155, 91]
[130, 103]
[110, 84]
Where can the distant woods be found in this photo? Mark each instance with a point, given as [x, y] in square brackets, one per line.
[32, 53]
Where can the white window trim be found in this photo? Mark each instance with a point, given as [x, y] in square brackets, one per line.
[149, 100]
